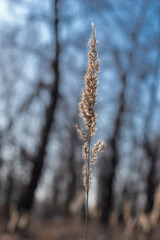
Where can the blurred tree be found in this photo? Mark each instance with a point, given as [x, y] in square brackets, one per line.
[72, 177]
[151, 145]
[108, 169]
[27, 197]
[31, 87]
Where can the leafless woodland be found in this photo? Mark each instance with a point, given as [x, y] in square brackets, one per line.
[43, 46]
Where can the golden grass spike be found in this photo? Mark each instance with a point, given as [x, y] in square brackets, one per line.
[89, 116]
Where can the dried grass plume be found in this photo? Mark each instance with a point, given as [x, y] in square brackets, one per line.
[87, 111]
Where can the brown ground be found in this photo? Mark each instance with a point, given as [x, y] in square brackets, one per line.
[73, 229]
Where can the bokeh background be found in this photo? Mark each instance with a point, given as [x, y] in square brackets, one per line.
[43, 59]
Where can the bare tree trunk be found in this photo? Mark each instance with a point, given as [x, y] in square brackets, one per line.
[9, 190]
[152, 151]
[152, 183]
[71, 187]
[27, 197]
[107, 179]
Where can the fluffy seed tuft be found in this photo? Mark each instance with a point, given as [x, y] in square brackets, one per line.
[97, 148]
[87, 110]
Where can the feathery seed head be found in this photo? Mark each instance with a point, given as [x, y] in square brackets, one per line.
[89, 93]
[87, 111]
[85, 151]
[81, 133]
[97, 148]
[87, 177]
